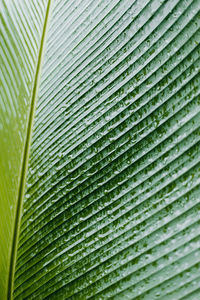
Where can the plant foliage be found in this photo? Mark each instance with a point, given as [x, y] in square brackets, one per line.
[110, 206]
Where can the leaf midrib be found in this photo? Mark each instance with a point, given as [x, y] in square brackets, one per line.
[24, 167]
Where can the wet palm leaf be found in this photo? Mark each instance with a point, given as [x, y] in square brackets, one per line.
[111, 202]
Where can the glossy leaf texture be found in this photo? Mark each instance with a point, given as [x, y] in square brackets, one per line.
[111, 209]
[21, 31]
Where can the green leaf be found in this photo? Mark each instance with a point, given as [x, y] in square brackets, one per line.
[22, 25]
[111, 202]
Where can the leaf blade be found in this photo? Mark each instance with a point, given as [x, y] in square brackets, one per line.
[111, 208]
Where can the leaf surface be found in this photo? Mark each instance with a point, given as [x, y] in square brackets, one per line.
[111, 208]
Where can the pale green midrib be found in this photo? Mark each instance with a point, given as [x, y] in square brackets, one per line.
[26, 156]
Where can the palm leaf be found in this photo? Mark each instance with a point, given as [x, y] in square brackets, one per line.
[111, 197]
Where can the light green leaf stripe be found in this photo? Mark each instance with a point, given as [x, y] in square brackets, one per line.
[112, 198]
[21, 31]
